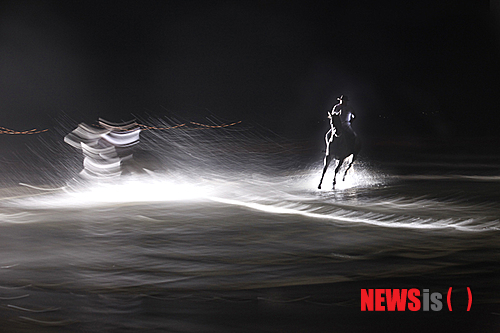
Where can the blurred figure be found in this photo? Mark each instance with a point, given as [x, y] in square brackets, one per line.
[106, 150]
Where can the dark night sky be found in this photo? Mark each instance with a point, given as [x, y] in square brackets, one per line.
[411, 68]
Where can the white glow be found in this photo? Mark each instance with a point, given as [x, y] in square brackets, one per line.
[138, 191]
[122, 191]
[356, 177]
[286, 195]
[418, 224]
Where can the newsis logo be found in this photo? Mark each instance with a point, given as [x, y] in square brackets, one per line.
[401, 299]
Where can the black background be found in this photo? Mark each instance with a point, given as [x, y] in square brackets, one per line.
[418, 72]
[414, 70]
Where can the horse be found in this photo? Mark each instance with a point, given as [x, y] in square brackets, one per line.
[342, 143]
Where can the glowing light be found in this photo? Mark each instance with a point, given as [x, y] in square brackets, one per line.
[415, 224]
[280, 196]
[136, 191]
[356, 177]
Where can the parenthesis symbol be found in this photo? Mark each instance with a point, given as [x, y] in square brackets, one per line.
[448, 299]
[470, 299]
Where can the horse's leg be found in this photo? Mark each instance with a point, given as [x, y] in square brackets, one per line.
[357, 149]
[349, 166]
[325, 167]
[337, 169]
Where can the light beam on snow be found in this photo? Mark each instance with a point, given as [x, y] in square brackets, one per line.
[410, 224]
[138, 191]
